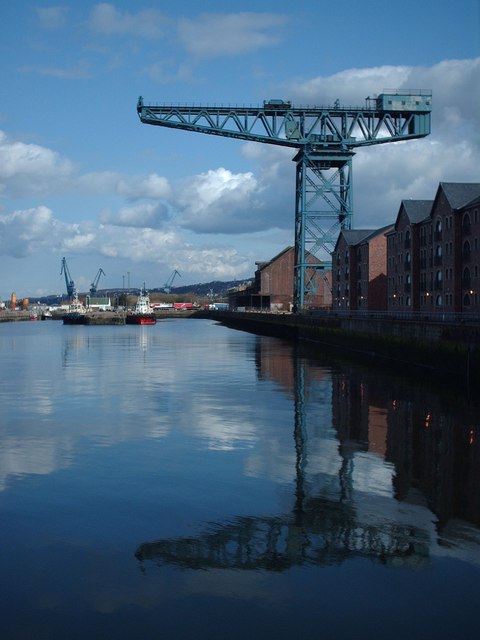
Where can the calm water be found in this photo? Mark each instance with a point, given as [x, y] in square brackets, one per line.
[187, 480]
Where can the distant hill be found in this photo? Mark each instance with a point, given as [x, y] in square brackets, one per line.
[202, 289]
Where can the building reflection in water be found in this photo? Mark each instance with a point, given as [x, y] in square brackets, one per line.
[406, 463]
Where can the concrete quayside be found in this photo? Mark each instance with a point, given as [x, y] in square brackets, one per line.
[446, 349]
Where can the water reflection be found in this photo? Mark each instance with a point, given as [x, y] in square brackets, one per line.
[387, 472]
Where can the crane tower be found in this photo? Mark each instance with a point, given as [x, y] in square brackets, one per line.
[167, 287]
[69, 282]
[94, 285]
[324, 137]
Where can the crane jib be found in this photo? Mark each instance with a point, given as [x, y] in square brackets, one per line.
[325, 137]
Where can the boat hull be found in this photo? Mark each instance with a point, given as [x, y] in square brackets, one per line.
[147, 318]
[74, 318]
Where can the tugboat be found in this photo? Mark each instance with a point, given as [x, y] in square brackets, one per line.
[77, 313]
[142, 313]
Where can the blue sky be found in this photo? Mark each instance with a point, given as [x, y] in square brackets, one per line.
[81, 177]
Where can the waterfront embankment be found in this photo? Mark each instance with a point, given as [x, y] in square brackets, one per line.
[92, 317]
[448, 350]
[8, 315]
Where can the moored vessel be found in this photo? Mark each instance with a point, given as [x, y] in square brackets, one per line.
[142, 313]
[77, 313]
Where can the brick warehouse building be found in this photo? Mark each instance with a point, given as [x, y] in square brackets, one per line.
[428, 261]
[403, 248]
[359, 269]
[273, 286]
[434, 252]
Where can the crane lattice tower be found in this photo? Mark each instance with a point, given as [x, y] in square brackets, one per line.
[324, 137]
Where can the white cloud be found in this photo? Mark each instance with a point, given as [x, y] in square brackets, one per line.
[25, 232]
[80, 71]
[52, 17]
[218, 201]
[211, 263]
[152, 186]
[170, 71]
[230, 34]
[397, 171]
[347, 85]
[32, 231]
[140, 215]
[108, 20]
[455, 85]
[30, 169]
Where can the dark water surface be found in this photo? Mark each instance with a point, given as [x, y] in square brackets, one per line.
[187, 480]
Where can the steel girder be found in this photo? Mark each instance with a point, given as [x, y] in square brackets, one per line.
[324, 137]
[323, 206]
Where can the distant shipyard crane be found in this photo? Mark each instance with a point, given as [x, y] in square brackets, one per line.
[93, 286]
[325, 137]
[68, 279]
[167, 287]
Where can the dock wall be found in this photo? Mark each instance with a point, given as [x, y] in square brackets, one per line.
[450, 350]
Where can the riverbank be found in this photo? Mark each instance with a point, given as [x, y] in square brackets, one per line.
[448, 350]
[16, 316]
[92, 317]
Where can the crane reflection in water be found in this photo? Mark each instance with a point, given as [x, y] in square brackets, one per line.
[336, 519]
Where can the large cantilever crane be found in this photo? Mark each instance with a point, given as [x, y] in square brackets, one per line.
[68, 279]
[93, 286]
[167, 287]
[324, 138]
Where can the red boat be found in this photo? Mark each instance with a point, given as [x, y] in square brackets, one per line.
[142, 313]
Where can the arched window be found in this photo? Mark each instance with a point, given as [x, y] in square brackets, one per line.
[438, 226]
[438, 276]
[466, 300]
[438, 300]
[438, 251]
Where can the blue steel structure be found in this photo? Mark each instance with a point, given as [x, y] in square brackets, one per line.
[325, 137]
[94, 285]
[69, 282]
[167, 287]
